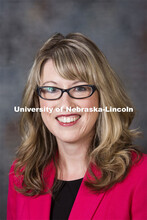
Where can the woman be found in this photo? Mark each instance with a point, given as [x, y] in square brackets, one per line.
[78, 164]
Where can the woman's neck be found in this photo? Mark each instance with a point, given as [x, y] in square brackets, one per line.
[73, 160]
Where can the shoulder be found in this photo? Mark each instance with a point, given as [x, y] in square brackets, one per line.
[12, 168]
[139, 167]
[137, 175]
[134, 184]
[14, 177]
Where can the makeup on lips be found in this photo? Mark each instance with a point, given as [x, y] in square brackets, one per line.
[68, 120]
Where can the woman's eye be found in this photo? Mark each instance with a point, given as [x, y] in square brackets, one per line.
[80, 88]
[50, 89]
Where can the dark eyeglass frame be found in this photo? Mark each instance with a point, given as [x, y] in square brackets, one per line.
[65, 90]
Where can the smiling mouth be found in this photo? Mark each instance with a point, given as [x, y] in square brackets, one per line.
[68, 119]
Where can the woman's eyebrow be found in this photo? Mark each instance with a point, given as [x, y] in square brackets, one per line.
[77, 82]
[49, 82]
[57, 83]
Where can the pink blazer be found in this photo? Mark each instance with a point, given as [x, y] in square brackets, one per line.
[126, 200]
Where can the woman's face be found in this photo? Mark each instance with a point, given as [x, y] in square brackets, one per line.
[66, 126]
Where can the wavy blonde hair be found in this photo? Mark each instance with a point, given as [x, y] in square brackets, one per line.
[76, 57]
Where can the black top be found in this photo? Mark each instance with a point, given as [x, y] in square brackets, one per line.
[63, 199]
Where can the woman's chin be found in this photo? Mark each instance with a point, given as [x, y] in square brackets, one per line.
[68, 138]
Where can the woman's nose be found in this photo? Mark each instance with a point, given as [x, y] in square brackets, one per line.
[66, 101]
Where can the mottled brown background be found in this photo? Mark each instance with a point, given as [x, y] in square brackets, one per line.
[118, 27]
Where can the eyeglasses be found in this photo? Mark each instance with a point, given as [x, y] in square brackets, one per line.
[76, 92]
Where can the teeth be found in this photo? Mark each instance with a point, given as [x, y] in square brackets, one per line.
[68, 119]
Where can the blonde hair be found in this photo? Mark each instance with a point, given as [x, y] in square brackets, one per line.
[76, 57]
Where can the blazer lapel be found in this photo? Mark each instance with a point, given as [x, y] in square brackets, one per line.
[39, 207]
[86, 202]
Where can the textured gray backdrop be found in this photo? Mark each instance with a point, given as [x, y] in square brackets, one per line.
[118, 27]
